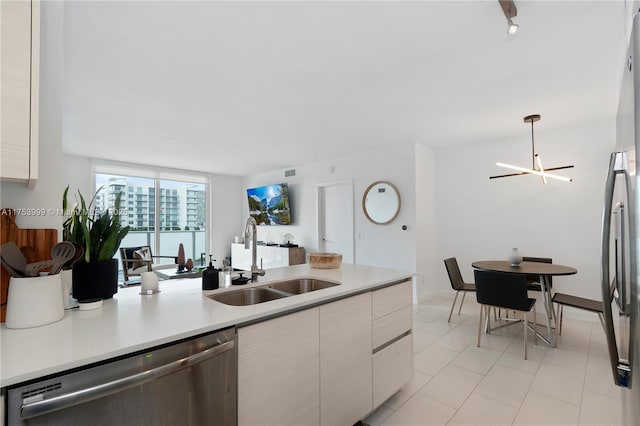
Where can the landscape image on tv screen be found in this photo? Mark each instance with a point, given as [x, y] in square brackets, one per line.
[269, 205]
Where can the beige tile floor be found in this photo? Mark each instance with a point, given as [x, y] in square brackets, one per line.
[457, 383]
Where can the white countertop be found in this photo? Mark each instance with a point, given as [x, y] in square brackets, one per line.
[130, 322]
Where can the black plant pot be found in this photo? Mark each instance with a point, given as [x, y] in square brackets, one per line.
[95, 280]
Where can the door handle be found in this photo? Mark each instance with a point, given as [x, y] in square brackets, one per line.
[38, 408]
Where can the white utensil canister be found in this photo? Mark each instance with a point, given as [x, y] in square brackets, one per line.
[34, 301]
[66, 277]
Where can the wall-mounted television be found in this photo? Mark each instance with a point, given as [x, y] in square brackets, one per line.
[269, 205]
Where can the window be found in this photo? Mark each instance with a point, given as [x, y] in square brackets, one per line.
[178, 215]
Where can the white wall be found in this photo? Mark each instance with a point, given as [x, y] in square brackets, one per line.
[227, 217]
[225, 204]
[478, 218]
[450, 206]
[426, 261]
[47, 193]
[77, 174]
[379, 245]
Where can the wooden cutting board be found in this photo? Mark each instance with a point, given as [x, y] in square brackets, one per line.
[36, 244]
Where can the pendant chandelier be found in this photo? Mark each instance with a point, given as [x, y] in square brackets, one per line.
[536, 161]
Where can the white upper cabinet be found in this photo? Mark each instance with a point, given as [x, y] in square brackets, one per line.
[19, 89]
[267, 256]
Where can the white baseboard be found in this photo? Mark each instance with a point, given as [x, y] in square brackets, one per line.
[428, 295]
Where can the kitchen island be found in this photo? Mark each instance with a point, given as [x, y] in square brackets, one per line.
[131, 322]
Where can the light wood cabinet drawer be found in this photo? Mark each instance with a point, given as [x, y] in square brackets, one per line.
[317, 366]
[254, 337]
[392, 368]
[391, 299]
[391, 326]
[278, 364]
[345, 360]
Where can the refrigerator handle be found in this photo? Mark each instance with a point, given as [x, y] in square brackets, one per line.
[616, 166]
[620, 275]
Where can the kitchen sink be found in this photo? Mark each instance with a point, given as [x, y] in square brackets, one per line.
[247, 296]
[273, 291]
[302, 285]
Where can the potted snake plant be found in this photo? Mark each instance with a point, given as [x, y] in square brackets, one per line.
[99, 234]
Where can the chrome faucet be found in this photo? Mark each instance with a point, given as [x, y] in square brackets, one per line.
[250, 237]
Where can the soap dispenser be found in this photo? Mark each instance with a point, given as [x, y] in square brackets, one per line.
[210, 278]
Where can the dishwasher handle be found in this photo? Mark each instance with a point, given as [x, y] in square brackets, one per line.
[71, 399]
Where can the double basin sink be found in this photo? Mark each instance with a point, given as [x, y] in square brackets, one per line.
[273, 291]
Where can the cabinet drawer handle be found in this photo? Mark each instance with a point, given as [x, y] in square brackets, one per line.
[390, 342]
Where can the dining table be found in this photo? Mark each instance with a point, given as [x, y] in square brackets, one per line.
[545, 271]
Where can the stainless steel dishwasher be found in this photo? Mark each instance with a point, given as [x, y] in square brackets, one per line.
[192, 382]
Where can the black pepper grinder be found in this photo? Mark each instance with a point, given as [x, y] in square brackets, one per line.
[210, 276]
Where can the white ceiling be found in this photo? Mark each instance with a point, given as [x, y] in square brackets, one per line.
[246, 87]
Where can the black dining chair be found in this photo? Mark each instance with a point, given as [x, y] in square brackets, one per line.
[563, 299]
[533, 281]
[504, 290]
[457, 283]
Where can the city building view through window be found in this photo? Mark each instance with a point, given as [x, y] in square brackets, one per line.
[160, 213]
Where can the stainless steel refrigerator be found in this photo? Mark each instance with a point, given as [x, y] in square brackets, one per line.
[621, 239]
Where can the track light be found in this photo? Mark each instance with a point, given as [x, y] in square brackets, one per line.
[510, 11]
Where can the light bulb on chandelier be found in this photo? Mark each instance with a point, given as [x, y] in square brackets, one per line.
[536, 168]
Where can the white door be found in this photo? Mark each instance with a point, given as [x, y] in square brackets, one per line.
[335, 219]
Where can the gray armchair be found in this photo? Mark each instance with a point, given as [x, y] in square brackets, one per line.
[136, 260]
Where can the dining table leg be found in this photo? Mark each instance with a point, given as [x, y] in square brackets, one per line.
[546, 299]
[554, 314]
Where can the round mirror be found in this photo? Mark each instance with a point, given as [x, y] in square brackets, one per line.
[381, 202]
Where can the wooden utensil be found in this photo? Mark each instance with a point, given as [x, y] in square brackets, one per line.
[61, 253]
[12, 255]
[79, 253]
[10, 270]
